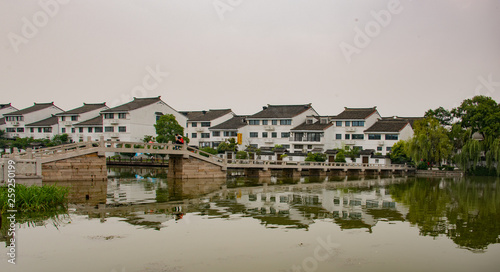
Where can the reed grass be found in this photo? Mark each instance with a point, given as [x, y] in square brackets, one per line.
[34, 198]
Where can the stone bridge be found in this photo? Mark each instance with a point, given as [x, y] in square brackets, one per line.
[86, 161]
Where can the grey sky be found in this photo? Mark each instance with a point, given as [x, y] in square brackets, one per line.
[431, 53]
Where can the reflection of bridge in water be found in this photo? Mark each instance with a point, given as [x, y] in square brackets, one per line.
[86, 161]
[350, 204]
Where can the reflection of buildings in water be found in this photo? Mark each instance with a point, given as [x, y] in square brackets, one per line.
[133, 190]
[192, 188]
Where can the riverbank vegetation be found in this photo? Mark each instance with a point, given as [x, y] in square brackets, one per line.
[30, 199]
[467, 136]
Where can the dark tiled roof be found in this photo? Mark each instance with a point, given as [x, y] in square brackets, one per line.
[388, 126]
[191, 114]
[2, 121]
[83, 109]
[281, 111]
[355, 113]
[367, 152]
[45, 122]
[35, 107]
[3, 106]
[409, 119]
[137, 103]
[234, 123]
[315, 126]
[331, 151]
[96, 121]
[209, 115]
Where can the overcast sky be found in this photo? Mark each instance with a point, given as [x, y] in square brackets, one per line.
[243, 54]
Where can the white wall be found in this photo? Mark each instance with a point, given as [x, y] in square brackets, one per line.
[29, 118]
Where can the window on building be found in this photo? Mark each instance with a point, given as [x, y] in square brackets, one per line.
[391, 137]
[39, 130]
[80, 130]
[358, 136]
[194, 135]
[274, 122]
[63, 130]
[123, 115]
[314, 136]
[10, 130]
[74, 118]
[264, 134]
[379, 148]
[298, 146]
[338, 136]
[347, 123]
[388, 149]
[338, 123]
[374, 136]
[286, 146]
[230, 133]
[254, 134]
[254, 145]
[109, 129]
[254, 122]
[63, 118]
[194, 124]
[89, 130]
[32, 130]
[274, 134]
[205, 135]
[47, 130]
[109, 116]
[122, 129]
[298, 136]
[264, 122]
[73, 130]
[309, 121]
[20, 129]
[205, 124]
[324, 120]
[158, 117]
[358, 123]
[348, 136]
[285, 134]
[357, 147]
[216, 133]
[286, 122]
[98, 129]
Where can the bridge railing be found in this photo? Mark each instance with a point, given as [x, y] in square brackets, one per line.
[306, 164]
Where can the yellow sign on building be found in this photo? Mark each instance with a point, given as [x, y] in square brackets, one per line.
[240, 138]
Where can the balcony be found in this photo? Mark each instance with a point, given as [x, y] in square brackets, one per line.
[350, 129]
[199, 129]
[114, 122]
[67, 123]
[269, 128]
[269, 141]
[114, 135]
[15, 123]
[380, 143]
[350, 142]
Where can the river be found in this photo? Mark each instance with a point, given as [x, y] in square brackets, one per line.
[140, 221]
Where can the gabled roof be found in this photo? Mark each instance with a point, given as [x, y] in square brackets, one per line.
[83, 109]
[191, 114]
[234, 123]
[315, 126]
[355, 113]
[409, 119]
[35, 107]
[44, 123]
[281, 111]
[137, 103]
[393, 125]
[209, 115]
[3, 106]
[96, 121]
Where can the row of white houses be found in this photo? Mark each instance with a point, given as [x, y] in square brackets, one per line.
[297, 128]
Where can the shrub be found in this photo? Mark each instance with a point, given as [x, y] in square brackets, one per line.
[241, 155]
[340, 157]
[316, 157]
[422, 165]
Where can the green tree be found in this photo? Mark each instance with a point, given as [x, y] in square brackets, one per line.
[352, 153]
[441, 114]
[481, 114]
[315, 157]
[241, 155]
[59, 139]
[229, 145]
[340, 157]
[398, 153]
[166, 128]
[148, 138]
[430, 142]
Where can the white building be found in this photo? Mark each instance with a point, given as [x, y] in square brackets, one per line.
[314, 135]
[382, 135]
[6, 108]
[43, 129]
[68, 119]
[349, 126]
[15, 121]
[90, 128]
[230, 129]
[272, 125]
[135, 119]
[199, 123]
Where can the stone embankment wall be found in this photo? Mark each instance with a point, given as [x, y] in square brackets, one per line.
[192, 168]
[438, 173]
[85, 167]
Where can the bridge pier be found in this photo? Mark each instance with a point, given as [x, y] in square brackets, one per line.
[292, 173]
[337, 172]
[180, 167]
[257, 173]
[90, 167]
[317, 172]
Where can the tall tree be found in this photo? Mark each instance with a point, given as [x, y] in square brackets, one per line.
[441, 114]
[166, 128]
[430, 142]
[481, 114]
